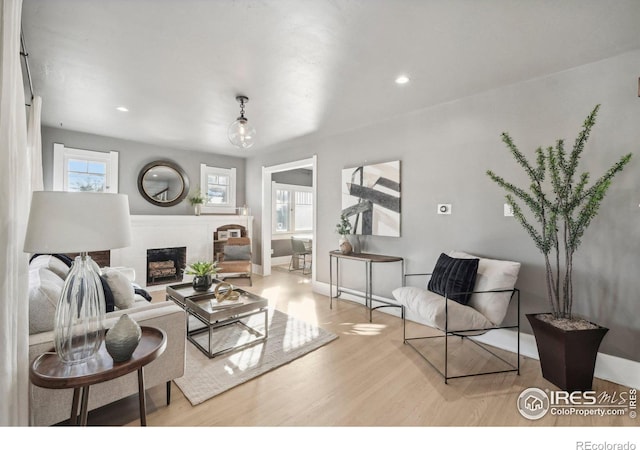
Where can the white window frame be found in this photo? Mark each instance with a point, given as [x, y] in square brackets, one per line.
[62, 155]
[230, 207]
[292, 188]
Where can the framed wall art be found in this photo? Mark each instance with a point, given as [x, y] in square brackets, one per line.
[371, 198]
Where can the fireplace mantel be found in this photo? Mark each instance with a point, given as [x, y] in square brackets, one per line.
[193, 232]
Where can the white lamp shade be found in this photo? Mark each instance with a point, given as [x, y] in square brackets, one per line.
[73, 222]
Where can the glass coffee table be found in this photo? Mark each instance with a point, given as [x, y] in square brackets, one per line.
[220, 327]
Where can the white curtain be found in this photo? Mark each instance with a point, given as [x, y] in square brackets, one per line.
[15, 196]
[34, 144]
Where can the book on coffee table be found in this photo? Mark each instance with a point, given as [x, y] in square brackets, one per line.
[215, 305]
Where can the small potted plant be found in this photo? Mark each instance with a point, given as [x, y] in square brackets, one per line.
[343, 228]
[202, 272]
[197, 200]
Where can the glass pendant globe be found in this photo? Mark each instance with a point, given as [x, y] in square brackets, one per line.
[241, 134]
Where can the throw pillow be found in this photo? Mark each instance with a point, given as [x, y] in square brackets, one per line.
[121, 287]
[45, 289]
[237, 252]
[493, 274]
[52, 263]
[452, 277]
[143, 293]
[62, 257]
[108, 295]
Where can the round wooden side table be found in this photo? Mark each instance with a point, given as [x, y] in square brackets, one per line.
[48, 371]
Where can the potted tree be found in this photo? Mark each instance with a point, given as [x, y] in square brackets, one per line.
[562, 206]
[202, 272]
[343, 228]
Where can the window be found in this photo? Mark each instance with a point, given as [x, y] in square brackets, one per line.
[283, 209]
[219, 188]
[76, 170]
[293, 208]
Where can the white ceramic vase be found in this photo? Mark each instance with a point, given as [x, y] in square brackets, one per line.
[123, 338]
[345, 246]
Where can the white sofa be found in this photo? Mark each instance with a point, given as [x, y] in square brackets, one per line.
[51, 406]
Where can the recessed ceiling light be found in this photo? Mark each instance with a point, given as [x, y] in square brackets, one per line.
[122, 108]
[402, 79]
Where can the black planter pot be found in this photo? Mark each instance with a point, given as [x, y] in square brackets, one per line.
[203, 283]
[567, 357]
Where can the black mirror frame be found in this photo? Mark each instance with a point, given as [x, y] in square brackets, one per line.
[178, 169]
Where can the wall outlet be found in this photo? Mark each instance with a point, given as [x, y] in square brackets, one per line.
[508, 210]
[272, 252]
[444, 208]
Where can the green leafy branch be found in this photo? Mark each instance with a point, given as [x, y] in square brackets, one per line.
[202, 268]
[563, 211]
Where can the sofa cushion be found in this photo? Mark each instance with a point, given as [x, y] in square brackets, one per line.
[454, 278]
[121, 287]
[429, 308]
[45, 288]
[493, 274]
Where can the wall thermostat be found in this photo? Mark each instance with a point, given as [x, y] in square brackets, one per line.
[444, 208]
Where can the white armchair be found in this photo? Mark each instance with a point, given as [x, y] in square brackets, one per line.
[479, 307]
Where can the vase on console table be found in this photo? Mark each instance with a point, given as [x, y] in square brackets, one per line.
[345, 246]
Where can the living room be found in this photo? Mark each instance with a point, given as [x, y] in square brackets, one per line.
[320, 79]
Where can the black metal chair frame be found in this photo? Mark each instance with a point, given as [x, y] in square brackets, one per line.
[461, 333]
[301, 256]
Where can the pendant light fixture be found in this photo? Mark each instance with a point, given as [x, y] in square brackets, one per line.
[240, 133]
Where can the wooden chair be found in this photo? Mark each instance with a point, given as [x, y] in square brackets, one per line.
[235, 259]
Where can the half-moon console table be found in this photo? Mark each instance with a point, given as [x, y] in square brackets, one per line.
[369, 260]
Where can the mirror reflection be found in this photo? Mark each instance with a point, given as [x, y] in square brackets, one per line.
[163, 183]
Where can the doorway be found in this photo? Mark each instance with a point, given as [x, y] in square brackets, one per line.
[267, 209]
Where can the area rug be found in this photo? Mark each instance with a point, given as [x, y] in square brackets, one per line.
[288, 339]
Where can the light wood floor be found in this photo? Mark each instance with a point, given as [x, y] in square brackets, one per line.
[366, 377]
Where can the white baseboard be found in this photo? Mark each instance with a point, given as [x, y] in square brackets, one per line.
[279, 260]
[611, 368]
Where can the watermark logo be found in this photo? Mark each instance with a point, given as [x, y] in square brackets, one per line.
[534, 403]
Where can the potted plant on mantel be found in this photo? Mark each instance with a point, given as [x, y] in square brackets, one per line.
[343, 228]
[197, 200]
[563, 206]
[202, 272]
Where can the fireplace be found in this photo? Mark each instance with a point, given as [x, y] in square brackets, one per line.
[165, 265]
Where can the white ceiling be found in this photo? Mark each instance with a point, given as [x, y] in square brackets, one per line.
[309, 67]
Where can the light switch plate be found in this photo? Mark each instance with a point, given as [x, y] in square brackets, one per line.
[508, 210]
[444, 208]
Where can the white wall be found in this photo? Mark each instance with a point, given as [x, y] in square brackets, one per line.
[445, 152]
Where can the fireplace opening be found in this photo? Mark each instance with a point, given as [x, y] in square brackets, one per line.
[165, 265]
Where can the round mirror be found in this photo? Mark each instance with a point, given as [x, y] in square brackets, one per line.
[163, 183]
